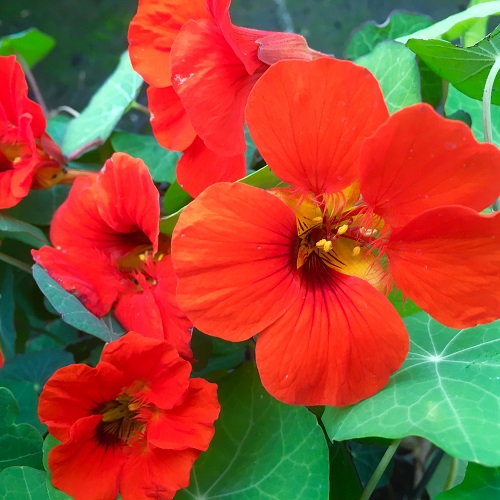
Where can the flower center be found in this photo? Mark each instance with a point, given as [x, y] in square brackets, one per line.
[119, 419]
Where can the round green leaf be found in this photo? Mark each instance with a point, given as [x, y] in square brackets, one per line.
[261, 449]
[18, 483]
[446, 391]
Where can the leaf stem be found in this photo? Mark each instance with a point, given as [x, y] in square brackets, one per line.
[15, 262]
[140, 107]
[377, 474]
[488, 89]
[452, 474]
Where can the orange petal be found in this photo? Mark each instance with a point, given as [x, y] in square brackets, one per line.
[419, 160]
[200, 167]
[152, 32]
[212, 84]
[169, 120]
[447, 260]
[338, 343]
[310, 118]
[233, 252]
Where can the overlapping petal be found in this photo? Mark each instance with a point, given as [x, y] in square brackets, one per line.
[309, 121]
[232, 250]
[447, 261]
[413, 163]
[337, 344]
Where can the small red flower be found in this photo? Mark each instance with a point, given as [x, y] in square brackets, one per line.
[374, 200]
[133, 425]
[201, 68]
[109, 251]
[29, 158]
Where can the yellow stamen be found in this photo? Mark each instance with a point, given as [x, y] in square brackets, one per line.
[342, 229]
[356, 251]
[160, 256]
[327, 246]
[142, 257]
[321, 243]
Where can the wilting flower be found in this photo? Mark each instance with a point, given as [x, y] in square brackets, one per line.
[201, 68]
[134, 424]
[29, 158]
[109, 251]
[373, 200]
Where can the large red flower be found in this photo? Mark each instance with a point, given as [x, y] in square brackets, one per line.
[201, 68]
[29, 158]
[134, 424]
[373, 200]
[109, 251]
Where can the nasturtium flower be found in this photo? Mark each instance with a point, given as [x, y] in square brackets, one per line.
[29, 158]
[108, 251]
[372, 200]
[133, 425]
[201, 68]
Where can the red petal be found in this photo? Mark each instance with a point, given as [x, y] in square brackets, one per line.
[88, 274]
[153, 473]
[447, 260]
[275, 47]
[152, 32]
[309, 120]
[171, 124]
[164, 376]
[74, 392]
[84, 468]
[189, 425]
[154, 312]
[117, 211]
[419, 160]
[213, 85]
[199, 167]
[232, 251]
[338, 343]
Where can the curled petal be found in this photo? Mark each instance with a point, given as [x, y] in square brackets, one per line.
[309, 120]
[232, 251]
[336, 345]
[419, 160]
[200, 167]
[447, 260]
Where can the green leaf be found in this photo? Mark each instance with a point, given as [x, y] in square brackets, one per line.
[21, 231]
[480, 483]
[465, 68]
[105, 109]
[160, 161]
[175, 199]
[20, 444]
[261, 448]
[23, 483]
[364, 38]
[441, 476]
[456, 24]
[71, 309]
[251, 148]
[57, 126]
[457, 101]
[477, 31]
[40, 205]
[404, 308]
[54, 494]
[344, 479]
[446, 392]
[396, 69]
[366, 458]
[32, 45]
[7, 330]
[263, 178]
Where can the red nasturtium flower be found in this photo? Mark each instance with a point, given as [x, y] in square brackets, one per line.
[374, 200]
[201, 68]
[134, 424]
[29, 158]
[109, 251]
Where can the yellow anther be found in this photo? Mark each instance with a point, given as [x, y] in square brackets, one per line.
[17, 159]
[342, 229]
[160, 256]
[356, 251]
[142, 257]
[327, 246]
[321, 243]
[318, 219]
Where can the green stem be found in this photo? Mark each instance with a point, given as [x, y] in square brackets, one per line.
[140, 107]
[488, 89]
[15, 262]
[33, 84]
[452, 474]
[379, 471]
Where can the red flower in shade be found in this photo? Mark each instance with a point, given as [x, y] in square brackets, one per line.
[109, 251]
[29, 158]
[201, 68]
[373, 200]
[134, 424]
